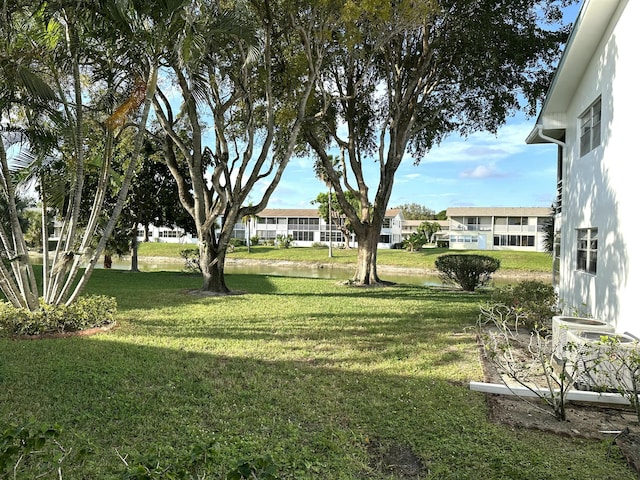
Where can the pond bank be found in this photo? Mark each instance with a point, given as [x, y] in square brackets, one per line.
[391, 269]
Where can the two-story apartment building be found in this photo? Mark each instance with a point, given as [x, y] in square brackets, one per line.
[591, 112]
[498, 228]
[306, 227]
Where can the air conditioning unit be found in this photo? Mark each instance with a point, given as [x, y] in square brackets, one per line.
[588, 363]
[560, 325]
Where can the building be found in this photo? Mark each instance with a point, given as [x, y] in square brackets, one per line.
[590, 112]
[307, 228]
[505, 228]
[467, 228]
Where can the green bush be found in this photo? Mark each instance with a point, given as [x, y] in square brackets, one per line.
[88, 312]
[535, 301]
[467, 271]
[191, 258]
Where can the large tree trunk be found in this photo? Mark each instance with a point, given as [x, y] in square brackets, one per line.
[212, 258]
[134, 254]
[366, 269]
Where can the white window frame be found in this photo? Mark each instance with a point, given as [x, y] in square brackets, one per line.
[587, 250]
[590, 127]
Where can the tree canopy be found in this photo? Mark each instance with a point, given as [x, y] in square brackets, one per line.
[403, 75]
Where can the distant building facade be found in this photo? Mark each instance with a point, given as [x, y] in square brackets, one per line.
[497, 228]
[467, 228]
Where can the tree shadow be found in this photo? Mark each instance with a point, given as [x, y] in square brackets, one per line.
[590, 200]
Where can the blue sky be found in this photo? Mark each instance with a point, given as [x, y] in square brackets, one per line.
[483, 170]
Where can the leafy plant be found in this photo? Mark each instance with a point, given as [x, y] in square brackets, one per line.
[284, 241]
[263, 468]
[191, 258]
[467, 271]
[609, 364]
[535, 302]
[414, 242]
[32, 452]
[88, 312]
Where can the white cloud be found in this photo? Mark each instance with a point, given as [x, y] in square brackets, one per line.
[510, 140]
[483, 171]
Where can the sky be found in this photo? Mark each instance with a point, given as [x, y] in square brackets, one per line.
[482, 170]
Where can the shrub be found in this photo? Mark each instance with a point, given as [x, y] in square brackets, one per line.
[467, 271]
[87, 312]
[284, 241]
[414, 242]
[535, 301]
[191, 258]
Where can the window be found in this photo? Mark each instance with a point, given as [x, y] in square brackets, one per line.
[266, 234]
[463, 239]
[590, 128]
[335, 236]
[587, 257]
[514, 241]
[302, 236]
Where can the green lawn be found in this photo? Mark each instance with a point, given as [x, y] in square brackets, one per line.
[424, 259]
[331, 382]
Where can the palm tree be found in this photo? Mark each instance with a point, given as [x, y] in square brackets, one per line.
[322, 174]
[73, 44]
[246, 220]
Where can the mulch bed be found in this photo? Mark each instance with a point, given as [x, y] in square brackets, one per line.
[617, 424]
[80, 333]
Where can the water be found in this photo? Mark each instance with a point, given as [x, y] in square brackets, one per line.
[334, 273]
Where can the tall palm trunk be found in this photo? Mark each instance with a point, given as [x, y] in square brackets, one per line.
[22, 277]
[152, 83]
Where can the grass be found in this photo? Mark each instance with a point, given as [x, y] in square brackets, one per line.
[327, 380]
[424, 259]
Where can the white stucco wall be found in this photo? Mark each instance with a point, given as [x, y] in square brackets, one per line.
[600, 188]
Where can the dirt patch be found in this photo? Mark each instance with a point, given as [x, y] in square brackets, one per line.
[617, 424]
[396, 460]
[80, 333]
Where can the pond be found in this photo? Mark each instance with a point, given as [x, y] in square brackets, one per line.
[285, 270]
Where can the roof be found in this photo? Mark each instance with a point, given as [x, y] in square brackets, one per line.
[593, 19]
[499, 211]
[308, 212]
[416, 223]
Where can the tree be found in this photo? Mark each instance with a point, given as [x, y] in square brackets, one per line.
[322, 175]
[429, 229]
[415, 241]
[255, 93]
[441, 215]
[332, 212]
[92, 71]
[548, 240]
[246, 220]
[403, 75]
[153, 200]
[415, 211]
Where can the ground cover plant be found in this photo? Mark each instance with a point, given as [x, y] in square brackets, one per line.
[298, 378]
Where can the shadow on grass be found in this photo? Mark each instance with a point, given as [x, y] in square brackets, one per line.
[155, 402]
